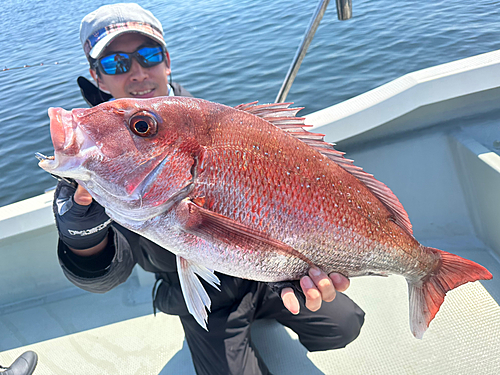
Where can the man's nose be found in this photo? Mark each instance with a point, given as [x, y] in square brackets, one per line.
[137, 72]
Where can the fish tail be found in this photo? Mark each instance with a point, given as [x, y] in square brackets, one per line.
[427, 295]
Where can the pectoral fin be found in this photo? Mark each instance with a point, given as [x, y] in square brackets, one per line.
[195, 295]
[214, 227]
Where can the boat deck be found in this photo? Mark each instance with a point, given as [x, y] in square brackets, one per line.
[76, 332]
[432, 137]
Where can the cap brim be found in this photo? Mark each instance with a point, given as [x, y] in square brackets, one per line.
[104, 42]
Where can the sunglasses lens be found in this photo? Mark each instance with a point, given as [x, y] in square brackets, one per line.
[120, 62]
[150, 56]
[117, 63]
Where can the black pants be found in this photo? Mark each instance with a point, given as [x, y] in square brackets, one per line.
[226, 348]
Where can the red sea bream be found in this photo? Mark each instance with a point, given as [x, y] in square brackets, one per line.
[246, 191]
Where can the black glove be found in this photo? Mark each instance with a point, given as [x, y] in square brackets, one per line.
[80, 227]
[277, 287]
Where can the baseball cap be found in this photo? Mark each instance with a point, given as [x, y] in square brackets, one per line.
[100, 27]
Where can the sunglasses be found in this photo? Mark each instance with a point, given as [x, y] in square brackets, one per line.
[121, 62]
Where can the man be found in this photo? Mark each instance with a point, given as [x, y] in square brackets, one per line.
[128, 59]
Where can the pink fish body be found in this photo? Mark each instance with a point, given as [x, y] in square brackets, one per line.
[247, 192]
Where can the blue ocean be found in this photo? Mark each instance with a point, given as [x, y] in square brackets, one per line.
[227, 51]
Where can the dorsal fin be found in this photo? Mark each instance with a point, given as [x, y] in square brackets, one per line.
[284, 118]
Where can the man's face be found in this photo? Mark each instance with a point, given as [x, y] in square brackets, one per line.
[139, 82]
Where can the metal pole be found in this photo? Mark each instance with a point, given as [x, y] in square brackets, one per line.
[344, 12]
[344, 9]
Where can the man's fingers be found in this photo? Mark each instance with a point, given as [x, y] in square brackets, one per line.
[82, 196]
[313, 295]
[290, 300]
[317, 287]
[340, 282]
[323, 283]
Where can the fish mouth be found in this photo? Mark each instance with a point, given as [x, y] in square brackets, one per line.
[68, 141]
[57, 128]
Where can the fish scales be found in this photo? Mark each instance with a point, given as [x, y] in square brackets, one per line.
[290, 175]
[248, 192]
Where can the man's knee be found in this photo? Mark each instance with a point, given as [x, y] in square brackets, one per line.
[335, 336]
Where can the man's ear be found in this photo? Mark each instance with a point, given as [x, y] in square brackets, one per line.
[93, 73]
[168, 63]
[100, 84]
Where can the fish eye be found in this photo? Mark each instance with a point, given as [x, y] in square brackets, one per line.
[143, 124]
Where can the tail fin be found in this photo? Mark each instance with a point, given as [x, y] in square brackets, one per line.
[427, 295]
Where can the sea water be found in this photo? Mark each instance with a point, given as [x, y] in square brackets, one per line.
[227, 51]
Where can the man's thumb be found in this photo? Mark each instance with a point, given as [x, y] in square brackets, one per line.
[82, 196]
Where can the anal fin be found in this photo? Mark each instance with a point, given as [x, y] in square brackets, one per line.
[196, 297]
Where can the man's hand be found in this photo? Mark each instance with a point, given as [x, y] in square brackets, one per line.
[83, 198]
[82, 223]
[317, 287]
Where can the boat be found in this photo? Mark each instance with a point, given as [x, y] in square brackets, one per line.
[432, 136]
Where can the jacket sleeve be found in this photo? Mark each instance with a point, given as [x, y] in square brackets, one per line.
[102, 272]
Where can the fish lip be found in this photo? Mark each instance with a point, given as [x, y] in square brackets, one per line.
[68, 142]
[57, 127]
[59, 137]
[49, 163]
